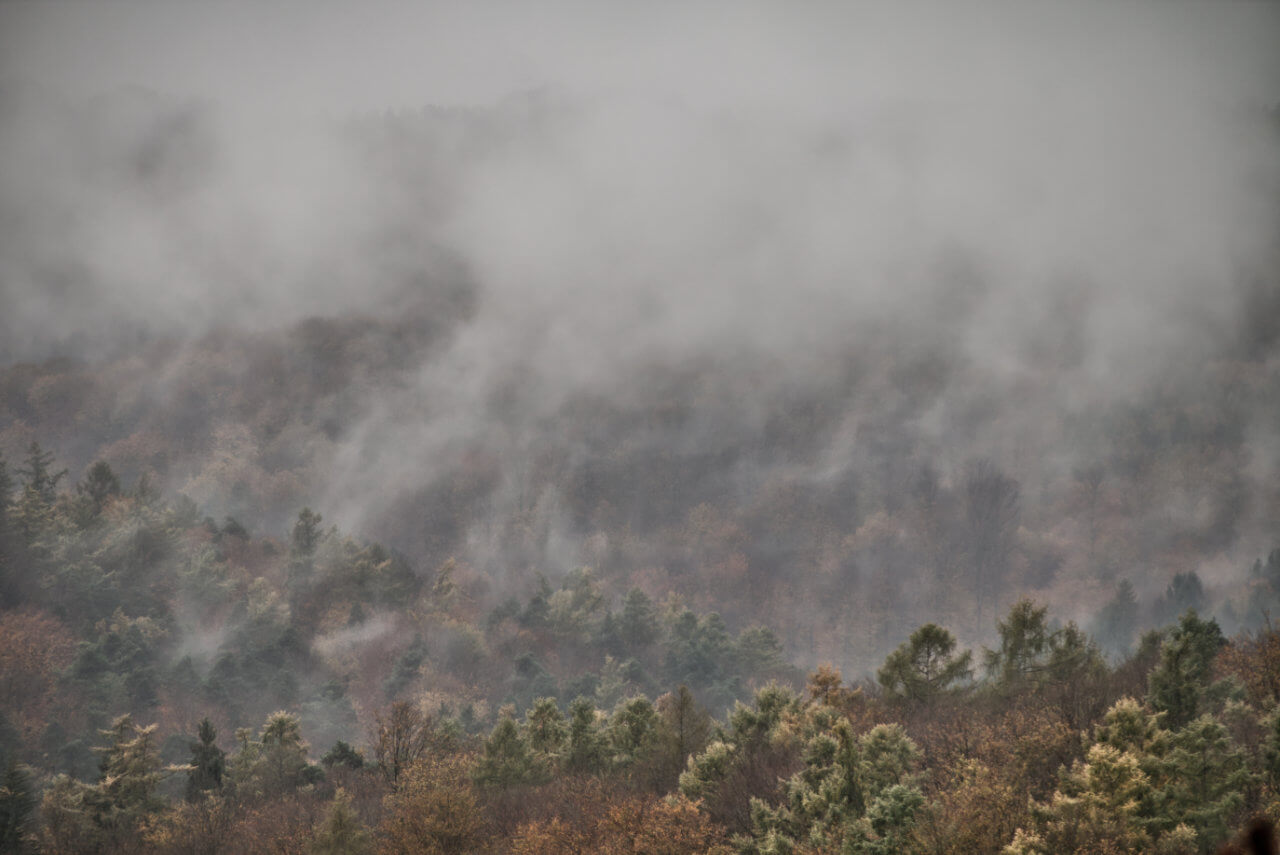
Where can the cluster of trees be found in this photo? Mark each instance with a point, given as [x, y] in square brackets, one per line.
[927, 759]
[793, 505]
[165, 677]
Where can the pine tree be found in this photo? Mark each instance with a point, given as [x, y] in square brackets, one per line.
[1178, 684]
[586, 745]
[17, 806]
[39, 477]
[507, 760]
[925, 666]
[208, 762]
[546, 727]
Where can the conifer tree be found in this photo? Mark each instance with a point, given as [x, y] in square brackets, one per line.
[1178, 684]
[925, 666]
[341, 832]
[208, 762]
[507, 760]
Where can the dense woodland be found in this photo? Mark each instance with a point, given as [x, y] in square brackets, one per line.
[174, 684]
[344, 543]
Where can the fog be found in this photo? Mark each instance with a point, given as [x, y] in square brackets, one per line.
[957, 227]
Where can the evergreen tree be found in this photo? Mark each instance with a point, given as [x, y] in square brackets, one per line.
[1204, 779]
[632, 731]
[208, 762]
[546, 727]
[507, 760]
[924, 666]
[38, 475]
[17, 807]
[1024, 646]
[1118, 620]
[341, 832]
[98, 487]
[638, 625]
[1178, 685]
[306, 534]
[586, 745]
[342, 754]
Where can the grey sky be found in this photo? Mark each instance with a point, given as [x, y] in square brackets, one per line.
[334, 56]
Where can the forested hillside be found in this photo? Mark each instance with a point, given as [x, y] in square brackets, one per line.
[652, 428]
[174, 684]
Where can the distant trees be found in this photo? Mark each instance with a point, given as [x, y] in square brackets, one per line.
[991, 511]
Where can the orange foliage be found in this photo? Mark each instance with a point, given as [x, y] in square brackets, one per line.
[34, 647]
[614, 823]
[1255, 661]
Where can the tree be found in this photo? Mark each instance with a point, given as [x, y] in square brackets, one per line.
[854, 794]
[638, 624]
[276, 762]
[1075, 675]
[435, 810]
[1096, 810]
[38, 475]
[507, 761]
[1118, 619]
[925, 666]
[306, 533]
[108, 814]
[586, 744]
[100, 484]
[17, 806]
[400, 736]
[208, 762]
[683, 729]
[1178, 684]
[546, 728]
[1203, 778]
[1185, 592]
[344, 756]
[747, 759]
[341, 832]
[1024, 646]
[632, 731]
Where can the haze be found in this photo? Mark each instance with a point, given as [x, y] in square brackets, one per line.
[955, 230]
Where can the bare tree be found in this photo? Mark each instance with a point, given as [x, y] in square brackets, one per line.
[400, 736]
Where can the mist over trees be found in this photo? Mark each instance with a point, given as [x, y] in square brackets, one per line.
[717, 429]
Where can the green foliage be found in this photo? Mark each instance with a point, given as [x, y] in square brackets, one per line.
[1178, 685]
[546, 729]
[100, 484]
[1204, 779]
[38, 475]
[1024, 646]
[587, 751]
[208, 762]
[924, 666]
[273, 764]
[80, 816]
[17, 808]
[508, 761]
[306, 534]
[341, 832]
[855, 794]
[638, 624]
[344, 756]
[632, 732]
